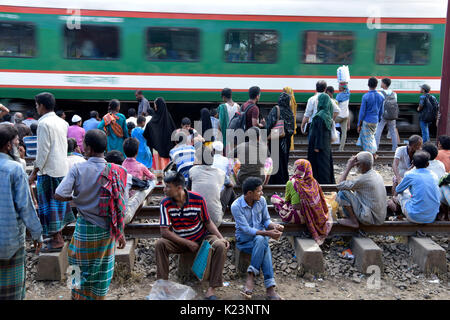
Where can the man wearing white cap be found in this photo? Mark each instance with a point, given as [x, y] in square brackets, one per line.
[76, 131]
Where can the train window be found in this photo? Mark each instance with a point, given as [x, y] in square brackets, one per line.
[17, 39]
[251, 46]
[328, 47]
[92, 42]
[173, 44]
[403, 47]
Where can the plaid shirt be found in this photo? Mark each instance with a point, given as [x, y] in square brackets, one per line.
[16, 208]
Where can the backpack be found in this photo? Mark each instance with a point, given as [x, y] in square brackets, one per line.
[390, 106]
[430, 109]
[239, 119]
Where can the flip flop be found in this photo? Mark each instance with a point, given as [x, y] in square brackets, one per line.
[49, 248]
[213, 297]
[277, 297]
[247, 294]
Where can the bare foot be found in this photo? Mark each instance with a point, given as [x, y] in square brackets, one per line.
[348, 223]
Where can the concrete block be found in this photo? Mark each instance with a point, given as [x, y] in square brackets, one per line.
[126, 255]
[366, 253]
[185, 262]
[52, 266]
[241, 262]
[309, 255]
[428, 255]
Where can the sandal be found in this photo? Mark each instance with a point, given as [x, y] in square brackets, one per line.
[277, 297]
[247, 294]
[49, 248]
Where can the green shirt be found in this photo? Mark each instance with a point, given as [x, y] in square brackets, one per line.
[290, 194]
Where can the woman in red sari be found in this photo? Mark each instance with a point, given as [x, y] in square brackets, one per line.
[305, 203]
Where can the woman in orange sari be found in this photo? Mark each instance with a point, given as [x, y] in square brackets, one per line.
[305, 203]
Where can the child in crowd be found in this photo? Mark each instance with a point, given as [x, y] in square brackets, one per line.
[135, 168]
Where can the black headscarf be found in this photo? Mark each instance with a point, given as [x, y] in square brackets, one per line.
[206, 122]
[158, 131]
[285, 114]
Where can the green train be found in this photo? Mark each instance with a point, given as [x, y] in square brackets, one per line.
[188, 52]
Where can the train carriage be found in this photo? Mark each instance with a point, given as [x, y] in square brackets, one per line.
[188, 52]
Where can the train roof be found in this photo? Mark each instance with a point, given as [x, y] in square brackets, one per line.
[313, 8]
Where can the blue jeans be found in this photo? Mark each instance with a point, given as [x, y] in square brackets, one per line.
[391, 127]
[425, 131]
[259, 248]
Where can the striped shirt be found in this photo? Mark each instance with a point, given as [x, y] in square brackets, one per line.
[30, 145]
[183, 156]
[188, 221]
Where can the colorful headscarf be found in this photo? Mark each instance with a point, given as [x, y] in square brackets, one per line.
[313, 203]
[293, 105]
[325, 110]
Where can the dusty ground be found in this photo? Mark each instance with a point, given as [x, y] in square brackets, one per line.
[401, 279]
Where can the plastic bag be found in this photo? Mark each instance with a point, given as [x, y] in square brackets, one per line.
[343, 74]
[168, 290]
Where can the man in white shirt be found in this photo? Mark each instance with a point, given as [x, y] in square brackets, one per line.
[386, 92]
[311, 106]
[50, 168]
[343, 99]
[132, 116]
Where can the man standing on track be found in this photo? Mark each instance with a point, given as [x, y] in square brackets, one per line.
[50, 168]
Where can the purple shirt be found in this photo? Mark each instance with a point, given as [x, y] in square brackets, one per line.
[76, 132]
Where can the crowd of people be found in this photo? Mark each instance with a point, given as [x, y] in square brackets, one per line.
[86, 173]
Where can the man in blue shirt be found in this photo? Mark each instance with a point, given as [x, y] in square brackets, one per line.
[253, 229]
[370, 114]
[420, 204]
[424, 126]
[16, 213]
[92, 123]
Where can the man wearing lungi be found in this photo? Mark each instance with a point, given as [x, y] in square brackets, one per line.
[16, 213]
[370, 114]
[50, 168]
[97, 189]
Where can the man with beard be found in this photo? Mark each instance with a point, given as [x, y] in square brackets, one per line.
[17, 213]
[364, 199]
[144, 106]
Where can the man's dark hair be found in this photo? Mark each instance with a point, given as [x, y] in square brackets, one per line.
[93, 114]
[7, 117]
[33, 128]
[321, 85]
[132, 112]
[226, 92]
[138, 92]
[444, 141]
[59, 112]
[414, 139]
[71, 145]
[175, 178]
[185, 121]
[373, 82]
[386, 81]
[30, 114]
[140, 119]
[420, 159]
[96, 139]
[130, 126]
[253, 92]
[213, 112]
[329, 89]
[114, 156]
[431, 148]
[113, 105]
[251, 184]
[46, 99]
[131, 147]
[7, 134]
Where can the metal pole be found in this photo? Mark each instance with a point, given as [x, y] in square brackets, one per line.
[444, 122]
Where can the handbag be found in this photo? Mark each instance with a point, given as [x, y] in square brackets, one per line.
[202, 263]
[277, 131]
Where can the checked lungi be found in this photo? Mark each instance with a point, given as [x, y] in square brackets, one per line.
[92, 249]
[12, 277]
[54, 214]
[366, 138]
